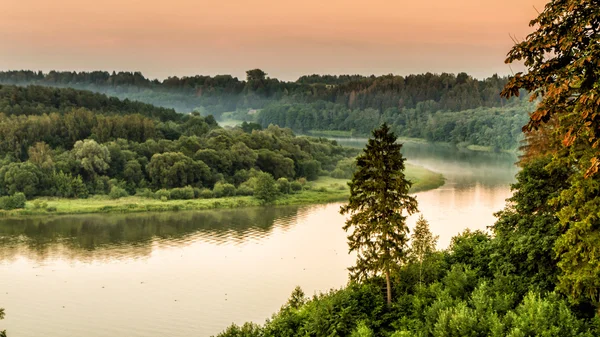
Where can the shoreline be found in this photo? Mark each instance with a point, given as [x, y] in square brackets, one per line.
[346, 135]
[322, 191]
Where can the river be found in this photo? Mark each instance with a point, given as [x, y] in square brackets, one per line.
[194, 273]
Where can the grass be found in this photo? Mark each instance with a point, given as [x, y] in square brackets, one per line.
[360, 137]
[323, 190]
[487, 149]
[329, 133]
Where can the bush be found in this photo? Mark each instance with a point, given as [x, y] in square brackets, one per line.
[39, 204]
[51, 209]
[14, 201]
[163, 194]
[296, 186]
[145, 193]
[339, 174]
[223, 189]
[266, 188]
[244, 190]
[284, 186]
[205, 193]
[182, 193]
[117, 192]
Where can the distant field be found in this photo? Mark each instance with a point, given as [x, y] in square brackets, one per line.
[422, 178]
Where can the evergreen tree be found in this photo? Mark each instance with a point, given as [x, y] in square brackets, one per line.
[378, 206]
[423, 243]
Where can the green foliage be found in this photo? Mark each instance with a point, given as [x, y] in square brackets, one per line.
[562, 72]
[527, 229]
[362, 330]
[14, 201]
[246, 330]
[296, 186]
[423, 243]
[537, 316]
[163, 193]
[21, 177]
[93, 157]
[378, 201]
[117, 192]
[284, 186]
[145, 193]
[309, 169]
[265, 189]
[244, 189]
[223, 189]
[183, 193]
[205, 193]
[39, 204]
[473, 249]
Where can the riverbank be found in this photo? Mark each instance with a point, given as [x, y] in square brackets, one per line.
[323, 190]
[360, 140]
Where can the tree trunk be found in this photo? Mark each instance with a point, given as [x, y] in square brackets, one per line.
[389, 288]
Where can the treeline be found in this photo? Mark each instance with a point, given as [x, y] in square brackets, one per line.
[223, 93]
[56, 151]
[504, 284]
[37, 100]
[496, 127]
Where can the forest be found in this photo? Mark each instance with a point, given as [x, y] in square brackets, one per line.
[70, 143]
[444, 107]
[535, 273]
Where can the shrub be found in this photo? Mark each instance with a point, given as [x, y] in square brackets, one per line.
[284, 186]
[223, 189]
[145, 193]
[117, 192]
[266, 188]
[163, 194]
[296, 186]
[339, 174]
[51, 209]
[244, 189]
[14, 201]
[205, 193]
[182, 193]
[39, 204]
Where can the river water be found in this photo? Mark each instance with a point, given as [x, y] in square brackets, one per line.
[194, 273]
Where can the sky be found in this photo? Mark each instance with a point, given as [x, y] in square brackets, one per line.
[285, 38]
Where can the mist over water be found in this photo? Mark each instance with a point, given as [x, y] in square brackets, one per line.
[194, 273]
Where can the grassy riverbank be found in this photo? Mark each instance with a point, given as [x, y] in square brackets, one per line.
[323, 190]
[348, 134]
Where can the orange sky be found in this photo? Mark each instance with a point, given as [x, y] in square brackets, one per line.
[284, 38]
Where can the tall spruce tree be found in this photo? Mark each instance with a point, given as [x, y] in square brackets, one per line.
[378, 207]
[423, 243]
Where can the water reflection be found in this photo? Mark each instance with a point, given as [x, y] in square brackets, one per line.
[134, 235]
[193, 273]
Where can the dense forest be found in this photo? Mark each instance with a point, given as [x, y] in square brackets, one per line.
[438, 107]
[537, 272]
[72, 143]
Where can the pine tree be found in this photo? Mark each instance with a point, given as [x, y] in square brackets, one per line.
[423, 243]
[378, 207]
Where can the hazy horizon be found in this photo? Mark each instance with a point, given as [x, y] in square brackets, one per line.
[287, 40]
